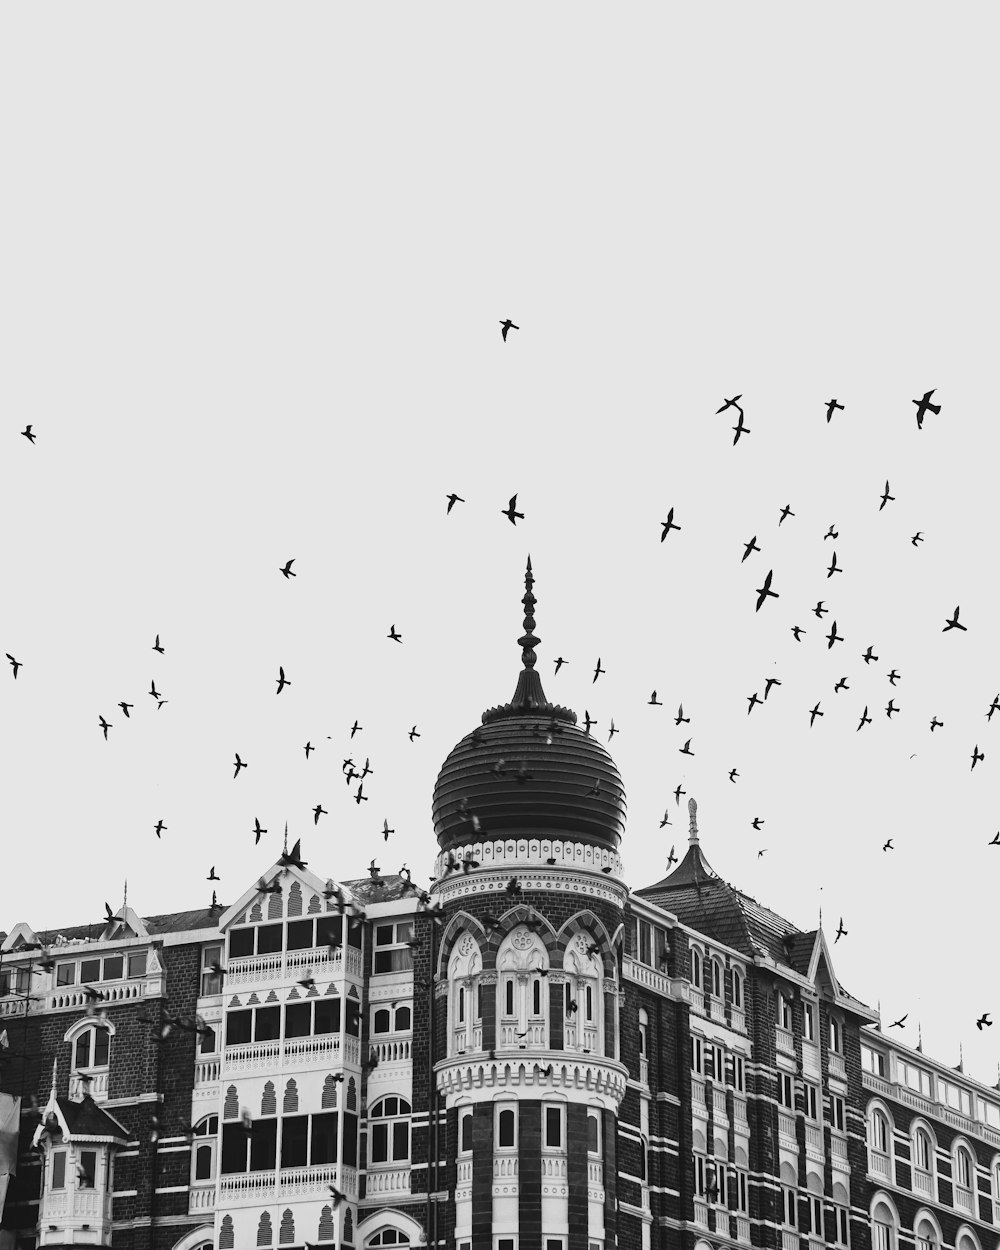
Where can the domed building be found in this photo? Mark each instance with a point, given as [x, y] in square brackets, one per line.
[528, 1056]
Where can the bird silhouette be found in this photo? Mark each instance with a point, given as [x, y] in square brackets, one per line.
[814, 713]
[886, 497]
[750, 547]
[15, 664]
[768, 683]
[393, 635]
[819, 610]
[752, 699]
[765, 591]
[287, 570]
[507, 325]
[125, 708]
[587, 722]
[26, 432]
[831, 533]
[733, 774]
[995, 840]
[686, 748]
[668, 525]
[786, 511]
[281, 680]
[865, 718]
[952, 623]
[153, 690]
[257, 828]
[936, 724]
[595, 789]
[900, 1023]
[680, 718]
[612, 731]
[757, 822]
[359, 797]
[672, 857]
[834, 567]
[887, 845]
[598, 670]
[452, 500]
[890, 709]
[831, 408]
[239, 764]
[924, 406]
[678, 792]
[356, 728]
[509, 512]
[841, 931]
[994, 707]
[977, 755]
[740, 428]
[105, 726]
[731, 403]
[760, 853]
[156, 644]
[211, 875]
[413, 733]
[984, 1019]
[798, 631]
[833, 636]
[869, 655]
[307, 748]
[318, 811]
[159, 827]
[917, 538]
[893, 676]
[654, 701]
[841, 685]
[559, 662]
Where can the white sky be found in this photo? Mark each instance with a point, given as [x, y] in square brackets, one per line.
[253, 263]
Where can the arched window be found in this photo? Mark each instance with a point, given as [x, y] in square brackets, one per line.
[388, 1237]
[884, 1223]
[841, 1214]
[737, 988]
[381, 1021]
[964, 1173]
[789, 1196]
[90, 1056]
[923, 1150]
[928, 1236]
[696, 967]
[593, 1133]
[879, 1142]
[506, 1128]
[716, 987]
[389, 1130]
[643, 1045]
[464, 970]
[583, 1029]
[465, 1130]
[402, 1021]
[92, 1048]
[204, 1142]
[522, 1006]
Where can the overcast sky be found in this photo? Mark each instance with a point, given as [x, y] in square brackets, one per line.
[254, 260]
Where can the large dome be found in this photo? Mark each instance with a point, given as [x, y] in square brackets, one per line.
[529, 771]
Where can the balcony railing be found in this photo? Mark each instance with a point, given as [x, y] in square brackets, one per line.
[207, 1069]
[74, 1204]
[130, 989]
[697, 1001]
[836, 1063]
[245, 968]
[784, 1040]
[838, 1144]
[738, 1019]
[504, 1166]
[719, 1102]
[643, 1070]
[786, 1126]
[201, 1197]
[249, 1055]
[814, 1139]
[739, 1109]
[271, 1185]
[923, 1182]
[246, 1188]
[701, 1212]
[96, 1085]
[891, 1089]
[577, 1037]
[303, 1050]
[698, 1096]
[304, 1181]
[534, 1035]
[789, 1239]
[643, 975]
[717, 1009]
[963, 1198]
[743, 1229]
[878, 1163]
[395, 1182]
[397, 1051]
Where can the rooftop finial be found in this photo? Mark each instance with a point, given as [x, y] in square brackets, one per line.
[693, 826]
[55, 1079]
[920, 1038]
[528, 641]
[285, 851]
[125, 896]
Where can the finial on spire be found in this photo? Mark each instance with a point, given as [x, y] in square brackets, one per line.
[528, 641]
[693, 826]
[55, 1079]
[961, 1059]
[920, 1038]
[125, 896]
[285, 851]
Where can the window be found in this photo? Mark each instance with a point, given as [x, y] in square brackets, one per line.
[114, 968]
[391, 1237]
[389, 1130]
[465, 1131]
[299, 936]
[553, 1243]
[741, 1191]
[784, 1011]
[927, 1238]
[508, 997]
[505, 1243]
[811, 1101]
[964, 1173]
[789, 1204]
[266, 1024]
[137, 964]
[14, 981]
[65, 974]
[836, 1036]
[814, 1213]
[269, 939]
[294, 1141]
[872, 1061]
[645, 942]
[739, 1079]
[716, 978]
[203, 1141]
[643, 1159]
[715, 1062]
[553, 1127]
[391, 951]
[809, 1022]
[241, 943]
[505, 1128]
[697, 1056]
[402, 1021]
[837, 1112]
[883, 1225]
[593, 1134]
[90, 970]
[695, 967]
[922, 1153]
[879, 1141]
[92, 1048]
[737, 988]
[382, 1020]
[323, 1137]
[786, 1091]
[59, 1167]
[536, 996]
[915, 1078]
[840, 1221]
[211, 982]
[87, 1169]
[298, 1019]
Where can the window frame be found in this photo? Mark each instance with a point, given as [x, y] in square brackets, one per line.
[501, 1108]
[557, 1110]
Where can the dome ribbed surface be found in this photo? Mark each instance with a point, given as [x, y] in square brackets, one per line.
[544, 788]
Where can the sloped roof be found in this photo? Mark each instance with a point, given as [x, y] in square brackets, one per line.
[173, 922]
[388, 890]
[87, 1119]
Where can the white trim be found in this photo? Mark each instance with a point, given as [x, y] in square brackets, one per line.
[194, 1239]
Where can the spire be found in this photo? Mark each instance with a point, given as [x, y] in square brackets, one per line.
[285, 850]
[528, 641]
[920, 1039]
[693, 826]
[55, 1080]
[125, 897]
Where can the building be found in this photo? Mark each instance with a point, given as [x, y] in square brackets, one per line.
[530, 1056]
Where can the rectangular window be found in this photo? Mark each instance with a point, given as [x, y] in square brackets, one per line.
[506, 1127]
[234, 1149]
[238, 1027]
[211, 982]
[715, 1062]
[837, 1112]
[102, 1046]
[269, 939]
[327, 1016]
[741, 1192]
[137, 964]
[350, 1139]
[241, 943]
[815, 1208]
[300, 935]
[784, 1012]
[553, 1126]
[329, 930]
[88, 1169]
[465, 1132]
[263, 1145]
[90, 970]
[206, 1040]
[812, 1102]
[267, 1024]
[645, 943]
[294, 1140]
[298, 1019]
[505, 1243]
[880, 1236]
[508, 991]
[739, 1078]
[81, 1051]
[836, 1036]
[553, 1243]
[536, 997]
[65, 974]
[809, 1022]
[786, 1091]
[59, 1169]
[323, 1146]
[697, 1058]
[379, 1142]
[872, 1061]
[842, 1225]
[789, 1205]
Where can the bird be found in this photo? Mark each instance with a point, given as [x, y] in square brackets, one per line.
[159, 827]
[750, 547]
[764, 591]
[757, 822]
[814, 713]
[587, 722]
[559, 662]
[900, 1023]
[831, 408]
[351, 775]
[672, 857]
[786, 511]
[768, 683]
[308, 982]
[936, 724]
[105, 726]
[613, 730]
[752, 699]
[654, 701]
[211, 875]
[16, 664]
[571, 1006]
[360, 798]
[356, 728]
[307, 748]
[890, 709]
[156, 645]
[984, 1019]
[125, 707]
[686, 748]
[841, 931]
[680, 718]
[994, 707]
[869, 655]
[834, 567]
[26, 432]
[995, 840]
[760, 853]
[512, 516]
[239, 764]
[452, 500]
[831, 533]
[287, 570]
[598, 670]
[798, 631]
[865, 718]
[413, 733]
[677, 794]
[977, 755]
[160, 703]
[952, 623]
[886, 497]
[513, 887]
[318, 811]
[595, 789]
[731, 403]
[841, 685]
[110, 914]
[668, 525]
[887, 845]
[918, 537]
[740, 428]
[258, 830]
[153, 690]
[924, 406]
[507, 325]
[335, 1193]
[733, 774]
[833, 636]
[893, 676]
[393, 635]
[282, 680]
[819, 610]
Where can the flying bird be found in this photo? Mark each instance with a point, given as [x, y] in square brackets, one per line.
[893, 676]
[360, 798]
[15, 664]
[355, 728]
[833, 636]
[686, 748]
[740, 428]
[887, 845]
[257, 828]
[757, 822]
[666, 818]
[764, 591]
[668, 525]
[768, 683]
[917, 538]
[984, 1019]
[159, 827]
[287, 570]
[507, 325]
[761, 852]
[750, 547]
[977, 755]
[125, 707]
[413, 733]
[798, 631]
[393, 635]
[211, 875]
[869, 655]
[995, 840]
[900, 1023]
[654, 701]
[786, 511]
[153, 690]
[239, 764]
[156, 644]
[613, 730]
[386, 831]
[105, 726]
[587, 722]
[752, 699]
[841, 931]
[26, 432]
[834, 567]
[733, 774]
[819, 610]
[841, 685]
[731, 403]
[994, 707]
[831, 408]
[680, 718]
[924, 406]
[318, 811]
[452, 500]
[677, 794]
[307, 748]
[559, 662]
[281, 680]
[936, 724]
[814, 713]
[512, 516]
[598, 670]
[952, 623]
[886, 497]
[865, 718]
[831, 533]
[890, 709]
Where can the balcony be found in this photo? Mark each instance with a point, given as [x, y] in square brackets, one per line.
[324, 1048]
[594, 1077]
[923, 1182]
[201, 1197]
[307, 1182]
[697, 1001]
[396, 1181]
[659, 982]
[254, 968]
[701, 1212]
[786, 1128]
[247, 1056]
[719, 1102]
[738, 1019]
[814, 1140]
[878, 1163]
[963, 1199]
[643, 1070]
[891, 1089]
[534, 1035]
[95, 1084]
[743, 1229]
[836, 1066]
[789, 1239]
[65, 997]
[717, 1010]
[698, 1104]
[740, 1110]
[397, 1051]
[504, 1167]
[784, 1041]
[75, 1204]
[247, 1189]
[581, 1037]
[838, 1145]
[207, 1069]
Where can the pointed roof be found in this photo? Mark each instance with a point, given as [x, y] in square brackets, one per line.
[87, 1119]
